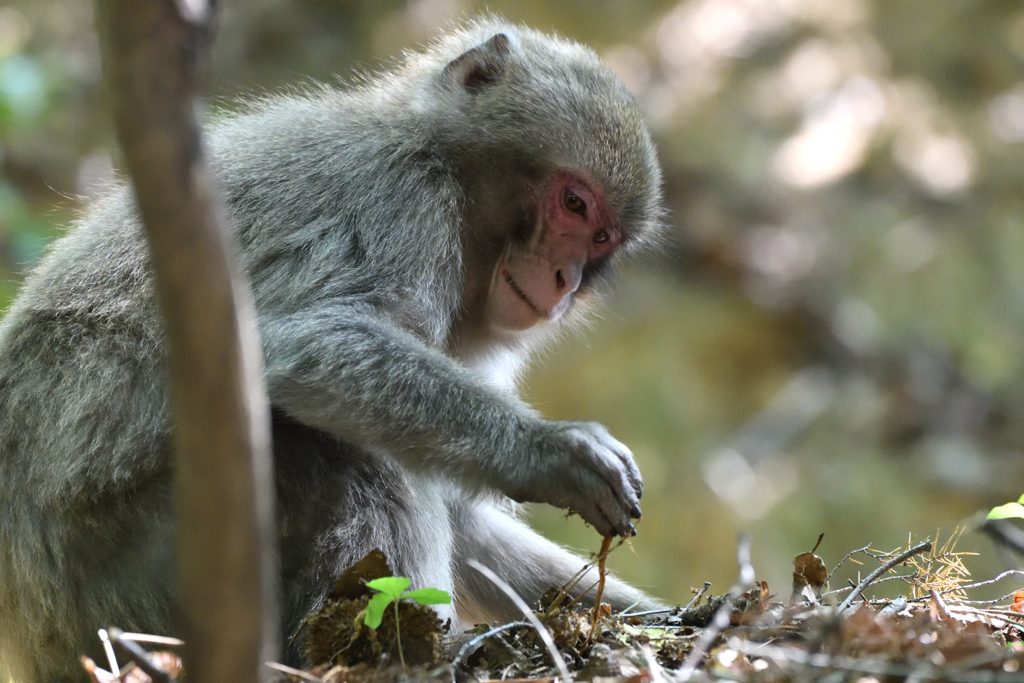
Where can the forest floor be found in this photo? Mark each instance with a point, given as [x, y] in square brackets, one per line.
[935, 632]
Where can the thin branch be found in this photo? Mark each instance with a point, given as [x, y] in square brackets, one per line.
[1009, 572]
[899, 559]
[667, 610]
[297, 673]
[697, 596]
[464, 650]
[129, 651]
[721, 619]
[154, 60]
[907, 578]
[871, 666]
[153, 640]
[845, 558]
[542, 630]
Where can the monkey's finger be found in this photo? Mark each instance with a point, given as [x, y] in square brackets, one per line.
[616, 502]
[597, 519]
[618, 523]
[617, 475]
[632, 472]
[599, 503]
[625, 456]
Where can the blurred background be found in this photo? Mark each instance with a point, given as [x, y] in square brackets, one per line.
[834, 340]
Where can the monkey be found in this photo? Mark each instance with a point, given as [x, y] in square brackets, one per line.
[411, 240]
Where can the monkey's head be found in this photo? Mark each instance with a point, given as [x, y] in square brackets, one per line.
[560, 172]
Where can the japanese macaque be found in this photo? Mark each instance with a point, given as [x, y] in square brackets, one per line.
[409, 241]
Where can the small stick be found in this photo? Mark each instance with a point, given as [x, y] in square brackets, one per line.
[899, 559]
[1009, 572]
[602, 558]
[297, 673]
[664, 610]
[722, 617]
[108, 649]
[152, 639]
[938, 604]
[130, 651]
[845, 558]
[625, 612]
[697, 595]
[542, 631]
[481, 638]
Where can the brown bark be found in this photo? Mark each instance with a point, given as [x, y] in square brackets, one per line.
[153, 52]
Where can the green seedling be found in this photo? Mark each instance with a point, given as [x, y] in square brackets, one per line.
[391, 590]
[1008, 511]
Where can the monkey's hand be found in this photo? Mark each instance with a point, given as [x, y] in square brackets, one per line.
[580, 467]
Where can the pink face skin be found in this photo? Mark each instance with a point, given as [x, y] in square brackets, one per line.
[538, 283]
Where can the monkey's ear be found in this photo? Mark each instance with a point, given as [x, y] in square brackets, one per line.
[479, 66]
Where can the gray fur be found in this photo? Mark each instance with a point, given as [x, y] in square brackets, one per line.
[368, 221]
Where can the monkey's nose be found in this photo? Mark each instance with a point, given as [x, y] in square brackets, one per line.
[567, 278]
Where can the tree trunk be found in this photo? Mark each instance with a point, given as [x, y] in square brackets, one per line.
[153, 53]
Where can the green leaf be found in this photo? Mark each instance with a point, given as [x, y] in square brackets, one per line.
[390, 585]
[1021, 499]
[1007, 511]
[429, 596]
[375, 610]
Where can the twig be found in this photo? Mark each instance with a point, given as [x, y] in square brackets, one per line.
[647, 613]
[894, 607]
[655, 673]
[153, 640]
[108, 650]
[899, 559]
[625, 612]
[481, 638]
[907, 578]
[542, 631]
[845, 558]
[1009, 572]
[602, 559]
[993, 601]
[721, 619]
[298, 673]
[938, 605]
[871, 666]
[569, 585]
[697, 596]
[1006, 615]
[130, 651]
[667, 610]
[573, 599]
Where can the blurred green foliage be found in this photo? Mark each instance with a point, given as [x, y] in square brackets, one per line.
[834, 341]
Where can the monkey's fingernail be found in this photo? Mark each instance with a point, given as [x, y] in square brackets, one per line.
[630, 531]
[636, 512]
[640, 492]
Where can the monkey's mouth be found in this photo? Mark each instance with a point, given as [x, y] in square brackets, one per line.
[522, 295]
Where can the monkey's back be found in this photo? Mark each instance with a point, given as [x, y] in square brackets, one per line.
[84, 475]
[85, 505]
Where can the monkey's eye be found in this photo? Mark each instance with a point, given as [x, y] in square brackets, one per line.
[601, 236]
[574, 203]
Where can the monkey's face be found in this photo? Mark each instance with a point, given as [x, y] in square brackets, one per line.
[538, 279]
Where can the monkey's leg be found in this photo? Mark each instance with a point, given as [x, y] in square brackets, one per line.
[528, 562]
[336, 503]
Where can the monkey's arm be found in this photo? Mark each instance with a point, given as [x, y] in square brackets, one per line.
[527, 561]
[348, 370]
